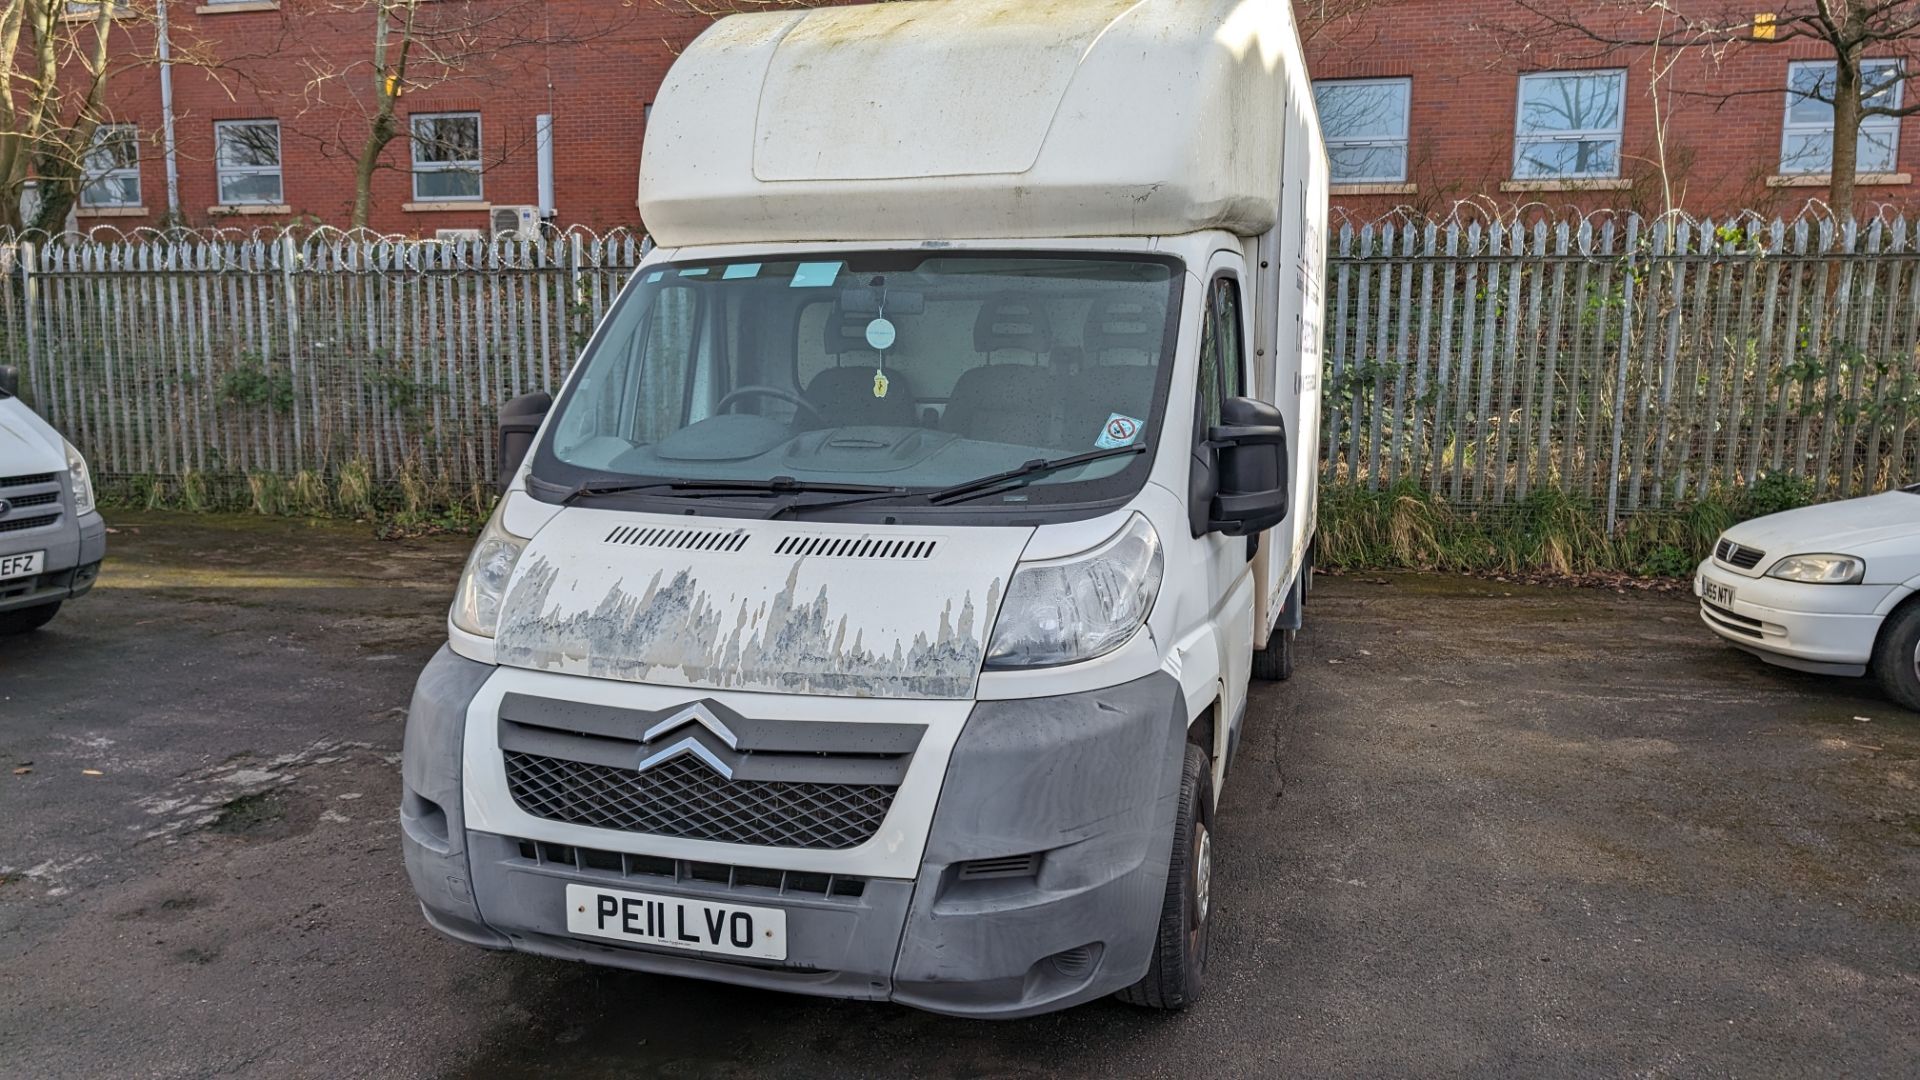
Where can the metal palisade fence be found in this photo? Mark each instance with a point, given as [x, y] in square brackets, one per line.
[226, 356]
[1633, 364]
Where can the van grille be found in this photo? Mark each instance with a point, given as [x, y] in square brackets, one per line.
[647, 869]
[1733, 554]
[687, 799]
[24, 481]
[17, 524]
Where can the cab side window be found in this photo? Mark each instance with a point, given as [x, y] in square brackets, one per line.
[1222, 352]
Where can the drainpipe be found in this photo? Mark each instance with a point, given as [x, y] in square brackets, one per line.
[543, 141]
[166, 113]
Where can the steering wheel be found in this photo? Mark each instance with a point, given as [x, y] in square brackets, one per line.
[787, 396]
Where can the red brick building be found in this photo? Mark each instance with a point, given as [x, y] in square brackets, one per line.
[1429, 102]
[273, 99]
[1425, 102]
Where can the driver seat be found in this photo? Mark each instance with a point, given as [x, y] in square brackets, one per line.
[844, 394]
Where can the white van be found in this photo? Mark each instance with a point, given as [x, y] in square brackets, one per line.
[51, 537]
[872, 613]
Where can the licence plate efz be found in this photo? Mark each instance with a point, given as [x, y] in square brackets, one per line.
[1716, 594]
[22, 565]
[677, 923]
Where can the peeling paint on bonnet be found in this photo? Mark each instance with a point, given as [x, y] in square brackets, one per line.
[751, 620]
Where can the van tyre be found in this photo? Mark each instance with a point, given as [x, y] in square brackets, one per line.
[26, 620]
[1896, 657]
[1177, 974]
[1275, 662]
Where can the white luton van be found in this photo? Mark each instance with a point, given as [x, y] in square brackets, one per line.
[872, 613]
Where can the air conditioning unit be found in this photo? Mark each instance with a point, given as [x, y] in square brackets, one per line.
[519, 222]
[458, 236]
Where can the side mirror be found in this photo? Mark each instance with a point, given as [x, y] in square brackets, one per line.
[1250, 495]
[520, 421]
[9, 380]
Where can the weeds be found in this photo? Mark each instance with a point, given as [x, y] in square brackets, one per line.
[1406, 527]
[414, 502]
[268, 493]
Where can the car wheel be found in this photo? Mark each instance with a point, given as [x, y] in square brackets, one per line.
[1275, 662]
[1896, 657]
[24, 620]
[1177, 974]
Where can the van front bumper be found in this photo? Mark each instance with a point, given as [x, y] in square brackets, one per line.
[71, 566]
[1826, 629]
[1086, 783]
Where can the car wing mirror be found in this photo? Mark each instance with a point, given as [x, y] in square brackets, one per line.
[520, 421]
[1252, 471]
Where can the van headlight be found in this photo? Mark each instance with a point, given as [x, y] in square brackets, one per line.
[79, 480]
[1820, 569]
[1061, 611]
[483, 585]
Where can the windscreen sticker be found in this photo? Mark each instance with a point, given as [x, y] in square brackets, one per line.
[696, 272]
[815, 275]
[1118, 431]
[741, 270]
[656, 276]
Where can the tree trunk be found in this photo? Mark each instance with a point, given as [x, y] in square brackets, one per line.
[1846, 135]
[378, 136]
[57, 196]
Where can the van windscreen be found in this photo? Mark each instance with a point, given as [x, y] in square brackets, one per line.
[894, 371]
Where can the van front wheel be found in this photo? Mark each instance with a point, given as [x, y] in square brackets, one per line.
[1178, 971]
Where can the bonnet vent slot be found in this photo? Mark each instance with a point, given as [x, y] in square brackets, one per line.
[856, 547]
[719, 540]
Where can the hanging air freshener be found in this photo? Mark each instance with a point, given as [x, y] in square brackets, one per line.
[880, 337]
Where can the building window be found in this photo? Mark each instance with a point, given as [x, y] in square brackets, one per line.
[1569, 125]
[247, 155]
[1365, 123]
[446, 157]
[1806, 145]
[112, 174]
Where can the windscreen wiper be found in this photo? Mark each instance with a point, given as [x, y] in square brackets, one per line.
[971, 489]
[1019, 477]
[706, 489]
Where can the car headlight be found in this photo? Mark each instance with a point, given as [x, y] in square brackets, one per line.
[79, 480]
[1061, 611]
[483, 585]
[1820, 569]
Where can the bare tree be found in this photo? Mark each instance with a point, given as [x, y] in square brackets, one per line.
[1873, 46]
[1331, 24]
[56, 60]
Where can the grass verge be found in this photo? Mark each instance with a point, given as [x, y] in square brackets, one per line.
[413, 502]
[1405, 527]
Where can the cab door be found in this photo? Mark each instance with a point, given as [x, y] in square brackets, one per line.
[1224, 341]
